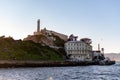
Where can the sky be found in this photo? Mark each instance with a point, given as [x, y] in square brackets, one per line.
[98, 20]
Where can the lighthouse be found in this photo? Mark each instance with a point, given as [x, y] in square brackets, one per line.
[38, 32]
[38, 25]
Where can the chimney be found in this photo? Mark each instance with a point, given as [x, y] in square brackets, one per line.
[38, 25]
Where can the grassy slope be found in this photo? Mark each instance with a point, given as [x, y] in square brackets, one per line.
[11, 49]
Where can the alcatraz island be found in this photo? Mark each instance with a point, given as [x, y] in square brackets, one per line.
[49, 48]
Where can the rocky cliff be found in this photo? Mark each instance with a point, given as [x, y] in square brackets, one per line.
[11, 49]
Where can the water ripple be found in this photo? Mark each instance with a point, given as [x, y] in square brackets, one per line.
[62, 73]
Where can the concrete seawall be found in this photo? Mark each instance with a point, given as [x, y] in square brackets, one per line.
[7, 64]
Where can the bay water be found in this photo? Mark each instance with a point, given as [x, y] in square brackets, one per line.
[93, 72]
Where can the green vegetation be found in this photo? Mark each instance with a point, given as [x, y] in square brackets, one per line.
[58, 41]
[11, 49]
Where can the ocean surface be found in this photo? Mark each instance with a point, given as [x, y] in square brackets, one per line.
[62, 73]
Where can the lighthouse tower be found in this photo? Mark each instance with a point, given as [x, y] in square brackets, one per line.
[38, 25]
[38, 32]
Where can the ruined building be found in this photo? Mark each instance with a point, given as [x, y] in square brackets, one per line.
[44, 36]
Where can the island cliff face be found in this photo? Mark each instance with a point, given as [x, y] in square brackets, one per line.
[11, 49]
[42, 45]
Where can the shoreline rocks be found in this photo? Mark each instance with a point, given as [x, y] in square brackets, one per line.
[11, 64]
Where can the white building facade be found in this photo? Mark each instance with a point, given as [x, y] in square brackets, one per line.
[79, 50]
